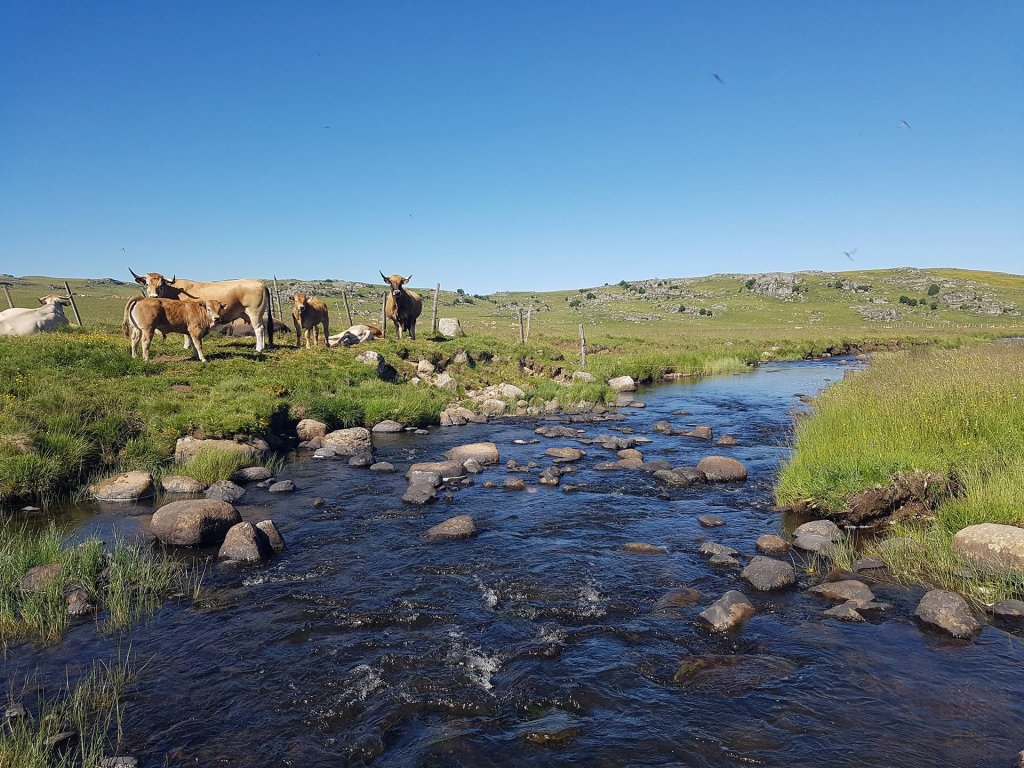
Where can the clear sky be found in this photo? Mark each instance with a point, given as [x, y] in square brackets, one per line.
[492, 145]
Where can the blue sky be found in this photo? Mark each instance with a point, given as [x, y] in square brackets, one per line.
[513, 145]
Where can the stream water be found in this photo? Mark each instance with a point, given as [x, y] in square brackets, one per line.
[539, 641]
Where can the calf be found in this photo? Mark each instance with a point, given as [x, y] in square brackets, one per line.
[309, 314]
[24, 322]
[145, 316]
[403, 306]
[357, 334]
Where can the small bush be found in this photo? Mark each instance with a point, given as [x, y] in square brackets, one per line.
[933, 290]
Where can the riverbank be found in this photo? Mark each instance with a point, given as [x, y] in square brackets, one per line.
[954, 418]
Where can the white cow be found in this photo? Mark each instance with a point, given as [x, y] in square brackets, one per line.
[24, 322]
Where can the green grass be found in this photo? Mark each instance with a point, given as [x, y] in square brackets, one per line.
[960, 413]
[127, 583]
[91, 707]
[210, 465]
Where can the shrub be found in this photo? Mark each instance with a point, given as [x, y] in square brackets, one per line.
[933, 290]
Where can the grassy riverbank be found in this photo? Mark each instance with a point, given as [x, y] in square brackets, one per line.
[956, 412]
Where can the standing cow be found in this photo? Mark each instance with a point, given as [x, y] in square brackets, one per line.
[309, 313]
[241, 298]
[24, 322]
[403, 306]
[145, 316]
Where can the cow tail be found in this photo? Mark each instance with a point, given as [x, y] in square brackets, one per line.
[270, 317]
[126, 327]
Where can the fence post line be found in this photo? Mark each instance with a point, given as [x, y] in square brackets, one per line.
[344, 298]
[433, 315]
[8, 295]
[529, 315]
[384, 316]
[74, 306]
[583, 348]
[519, 313]
[277, 300]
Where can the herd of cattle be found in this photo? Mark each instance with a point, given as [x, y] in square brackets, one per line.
[193, 308]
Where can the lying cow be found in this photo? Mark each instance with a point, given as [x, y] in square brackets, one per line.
[24, 322]
[145, 316]
[309, 313]
[403, 306]
[238, 328]
[241, 298]
[357, 334]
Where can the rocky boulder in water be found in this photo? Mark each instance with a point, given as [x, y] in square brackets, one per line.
[640, 548]
[766, 574]
[684, 476]
[770, 544]
[721, 469]
[419, 492]
[252, 475]
[948, 612]
[310, 429]
[824, 528]
[387, 427]
[182, 484]
[622, 384]
[282, 486]
[244, 543]
[349, 442]
[195, 522]
[225, 490]
[710, 521]
[460, 527]
[484, 453]
[127, 486]
[991, 546]
[730, 610]
[848, 589]
[445, 469]
[565, 454]
[273, 536]
[187, 448]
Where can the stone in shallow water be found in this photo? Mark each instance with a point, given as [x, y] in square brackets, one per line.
[460, 527]
[252, 474]
[225, 490]
[382, 466]
[485, 453]
[244, 543]
[770, 544]
[765, 574]
[195, 522]
[676, 599]
[709, 548]
[724, 561]
[565, 454]
[731, 675]
[274, 538]
[1008, 609]
[514, 484]
[182, 484]
[947, 612]
[710, 521]
[282, 486]
[638, 547]
[419, 492]
[811, 542]
[721, 469]
[843, 590]
[846, 611]
[824, 528]
[40, 577]
[127, 486]
[730, 610]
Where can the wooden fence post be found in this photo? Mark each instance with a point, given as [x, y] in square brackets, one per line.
[74, 306]
[348, 311]
[529, 315]
[277, 300]
[8, 295]
[433, 316]
[384, 316]
[519, 312]
[583, 348]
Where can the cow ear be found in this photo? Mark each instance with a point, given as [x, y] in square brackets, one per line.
[42, 300]
[406, 279]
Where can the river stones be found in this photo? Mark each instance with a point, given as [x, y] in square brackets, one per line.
[868, 564]
[1008, 609]
[40, 577]
[384, 467]
[361, 460]
[348, 442]
[622, 384]
[225, 490]
[182, 484]
[194, 522]
[460, 527]
[727, 441]
[273, 536]
[948, 612]
[724, 561]
[127, 486]
[252, 475]
[558, 431]
[843, 590]
[310, 429]
[282, 486]
[446, 470]
[824, 528]
[187, 448]
[991, 546]
[655, 465]
[701, 431]
[630, 453]
[640, 548]
[710, 521]
[711, 548]
[663, 427]
[514, 484]
[676, 599]
[727, 612]
[770, 544]
[811, 542]
[245, 543]
[629, 464]
[484, 453]
[420, 491]
[550, 476]
[387, 427]
[565, 455]
[722, 469]
[119, 762]
[846, 611]
[765, 574]
[684, 476]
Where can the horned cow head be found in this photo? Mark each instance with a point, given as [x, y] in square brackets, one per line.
[154, 283]
[53, 299]
[300, 302]
[396, 282]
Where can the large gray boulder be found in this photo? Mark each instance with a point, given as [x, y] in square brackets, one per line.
[730, 610]
[419, 492]
[850, 589]
[622, 384]
[187, 448]
[493, 407]
[194, 522]
[446, 382]
[485, 453]
[387, 427]
[948, 612]
[182, 484]
[444, 469]
[586, 378]
[991, 546]
[722, 469]
[824, 528]
[460, 527]
[127, 486]
[771, 544]
[245, 543]
[565, 455]
[252, 475]
[274, 537]
[449, 326]
[766, 574]
[310, 429]
[348, 442]
[225, 490]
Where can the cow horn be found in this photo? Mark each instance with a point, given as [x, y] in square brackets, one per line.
[406, 280]
[175, 277]
[133, 273]
[384, 276]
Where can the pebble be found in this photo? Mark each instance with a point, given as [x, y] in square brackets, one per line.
[710, 521]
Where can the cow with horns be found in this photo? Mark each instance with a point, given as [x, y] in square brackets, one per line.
[403, 307]
[241, 298]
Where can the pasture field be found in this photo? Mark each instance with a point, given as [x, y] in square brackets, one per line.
[74, 405]
[956, 412]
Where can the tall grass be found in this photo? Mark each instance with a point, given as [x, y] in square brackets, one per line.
[960, 413]
[128, 583]
[91, 708]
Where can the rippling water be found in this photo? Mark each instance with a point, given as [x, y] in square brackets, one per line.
[537, 642]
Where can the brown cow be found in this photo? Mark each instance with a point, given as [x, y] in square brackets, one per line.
[241, 298]
[309, 314]
[403, 306]
[145, 316]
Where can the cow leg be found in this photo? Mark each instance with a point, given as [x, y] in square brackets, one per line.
[136, 338]
[259, 326]
[188, 343]
[198, 344]
[316, 335]
[305, 335]
[327, 335]
[398, 330]
[412, 331]
[147, 339]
